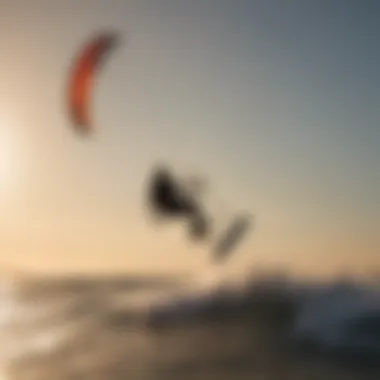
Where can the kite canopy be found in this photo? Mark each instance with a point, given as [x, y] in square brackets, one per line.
[83, 76]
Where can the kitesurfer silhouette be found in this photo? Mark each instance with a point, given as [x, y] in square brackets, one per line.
[168, 198]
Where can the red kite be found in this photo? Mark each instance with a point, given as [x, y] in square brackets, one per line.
[82, 78]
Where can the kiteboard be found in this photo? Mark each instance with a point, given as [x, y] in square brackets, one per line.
[231, 237]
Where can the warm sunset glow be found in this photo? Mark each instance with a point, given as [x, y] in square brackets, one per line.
[265, 117]
[7, 159]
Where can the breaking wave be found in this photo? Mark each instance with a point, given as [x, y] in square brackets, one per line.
[341, 317]
[121, 318]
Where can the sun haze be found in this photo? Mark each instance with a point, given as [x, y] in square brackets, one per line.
[276, 103]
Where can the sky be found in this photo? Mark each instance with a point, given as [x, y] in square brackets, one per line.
[275, 102]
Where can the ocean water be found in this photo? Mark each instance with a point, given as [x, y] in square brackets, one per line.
[124, 328]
